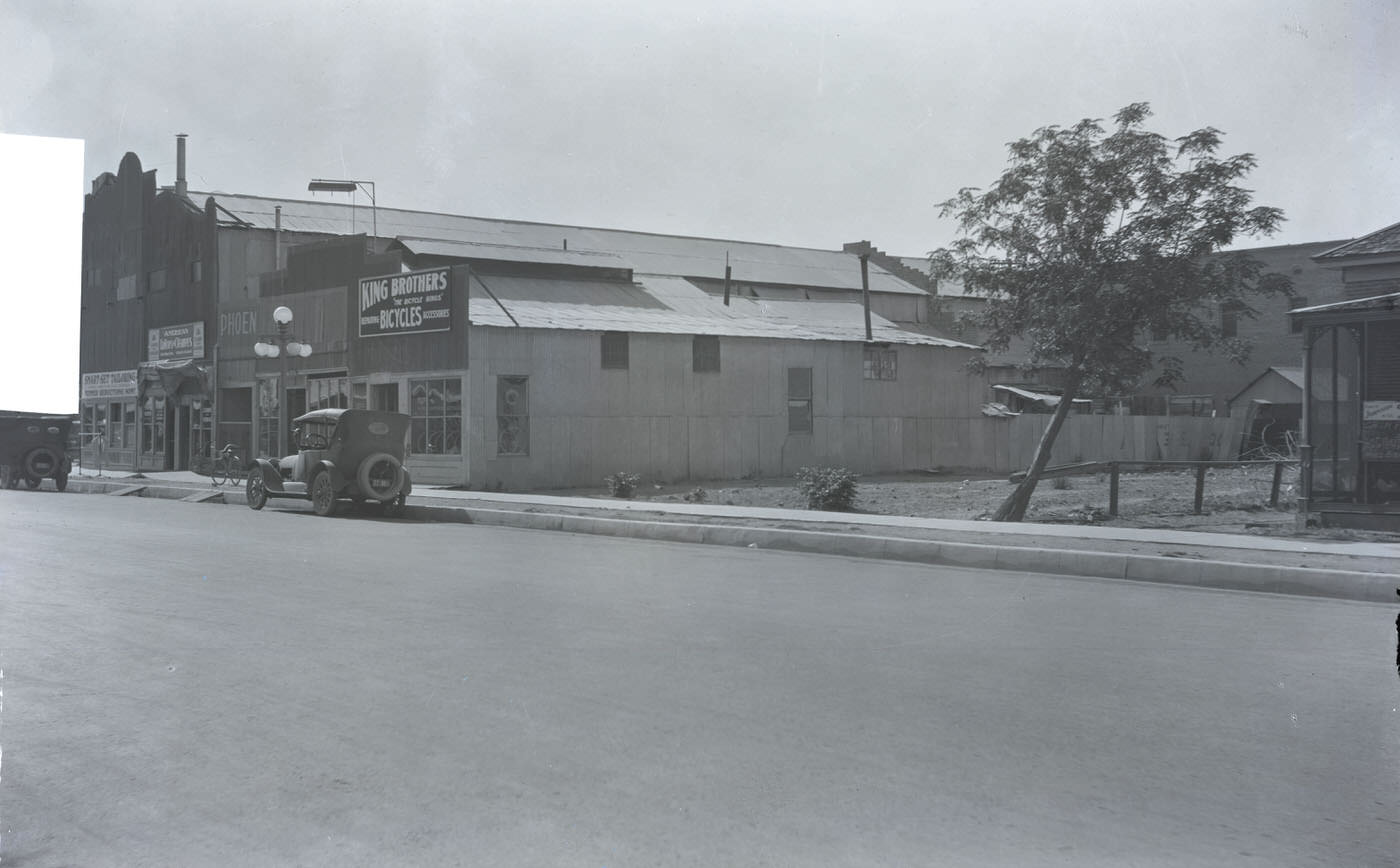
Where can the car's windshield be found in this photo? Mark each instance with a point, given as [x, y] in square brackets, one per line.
[314, 435]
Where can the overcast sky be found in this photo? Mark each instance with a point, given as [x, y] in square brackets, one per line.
[808, 123]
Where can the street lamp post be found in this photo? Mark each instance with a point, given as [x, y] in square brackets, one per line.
[281, 346]
[327, 185]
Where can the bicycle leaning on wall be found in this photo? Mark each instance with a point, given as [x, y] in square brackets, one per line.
[228, 466]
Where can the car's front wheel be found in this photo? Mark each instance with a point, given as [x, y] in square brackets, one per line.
[323, 494]
[256, 492]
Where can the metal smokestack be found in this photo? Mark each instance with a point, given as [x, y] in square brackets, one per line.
[181, 188]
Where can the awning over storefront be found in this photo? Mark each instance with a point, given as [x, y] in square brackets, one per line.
[176, 376]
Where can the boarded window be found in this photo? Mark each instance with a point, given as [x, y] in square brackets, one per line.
[704, 350]
[435, 414]
[155, 281]
[126, 287]
[512, 416]
[615, 350]
[880, 364]
[799, 400]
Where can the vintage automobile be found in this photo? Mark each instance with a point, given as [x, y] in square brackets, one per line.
[35, 447]
[354, 455]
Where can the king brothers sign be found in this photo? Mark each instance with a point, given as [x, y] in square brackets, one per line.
[404, 304]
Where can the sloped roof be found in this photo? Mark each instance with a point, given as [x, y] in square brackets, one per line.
[648, 253]
[1381, 242]
[669, 305]
[1389, 301]
[510, 253]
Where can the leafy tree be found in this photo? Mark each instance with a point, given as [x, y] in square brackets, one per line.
[1092, 241]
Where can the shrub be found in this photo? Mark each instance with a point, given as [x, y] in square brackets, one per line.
[622, 484]
[697, 495]
[828, 488]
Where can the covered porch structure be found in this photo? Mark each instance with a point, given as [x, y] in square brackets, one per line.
[1350, 454]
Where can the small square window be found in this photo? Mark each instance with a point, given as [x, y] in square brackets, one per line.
[615, 350]
[880, 364]
[705, 353]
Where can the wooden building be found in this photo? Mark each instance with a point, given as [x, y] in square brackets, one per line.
[528, 355]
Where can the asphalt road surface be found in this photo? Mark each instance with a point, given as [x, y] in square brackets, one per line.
[204, 685]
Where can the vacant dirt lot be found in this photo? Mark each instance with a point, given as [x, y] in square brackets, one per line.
[1235, 500]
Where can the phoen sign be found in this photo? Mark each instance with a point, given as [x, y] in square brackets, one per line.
[404, 304]
[184, 341]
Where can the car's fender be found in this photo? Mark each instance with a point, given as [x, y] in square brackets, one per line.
[271, 474]
[328, 466]
[407, 483]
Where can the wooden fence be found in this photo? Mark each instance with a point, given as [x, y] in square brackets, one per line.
[1114, 467]
[1105, 438]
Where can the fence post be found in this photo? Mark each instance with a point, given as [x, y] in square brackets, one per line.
[1278, 477]
[1200, 486]
[1113, 489]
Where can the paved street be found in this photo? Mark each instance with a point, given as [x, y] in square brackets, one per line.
[205, 685]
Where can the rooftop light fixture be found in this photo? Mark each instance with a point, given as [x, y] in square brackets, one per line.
[328, 185]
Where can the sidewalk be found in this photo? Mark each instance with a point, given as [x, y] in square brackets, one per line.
[1367, 571]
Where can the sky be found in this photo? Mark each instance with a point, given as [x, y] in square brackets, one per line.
[807, 123]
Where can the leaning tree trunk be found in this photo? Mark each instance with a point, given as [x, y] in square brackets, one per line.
[1014, 507]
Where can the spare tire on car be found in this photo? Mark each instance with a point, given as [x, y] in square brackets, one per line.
[380, 477]
[41, 462]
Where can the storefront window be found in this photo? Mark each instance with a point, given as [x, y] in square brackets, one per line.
[436, 413]
[267, 417]
[327, 392]
[512, 416]
[153, 425]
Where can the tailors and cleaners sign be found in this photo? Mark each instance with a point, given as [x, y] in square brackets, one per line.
[184, 341]
[402, 304]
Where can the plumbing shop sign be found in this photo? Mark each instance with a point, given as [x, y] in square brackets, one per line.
[405, 304]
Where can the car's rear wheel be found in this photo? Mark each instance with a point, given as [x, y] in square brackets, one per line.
[380, 477]
[61, 480]
[256, 492]
[323, 494]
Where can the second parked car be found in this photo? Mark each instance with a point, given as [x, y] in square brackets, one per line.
[342, 455]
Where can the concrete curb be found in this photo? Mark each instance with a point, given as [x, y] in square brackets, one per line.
[1205, 573]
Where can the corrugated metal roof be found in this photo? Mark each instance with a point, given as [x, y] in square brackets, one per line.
[602, 293]
[661, 305]
[1292, 375]
[649, 253]
[508, 253]
[1382, 241]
